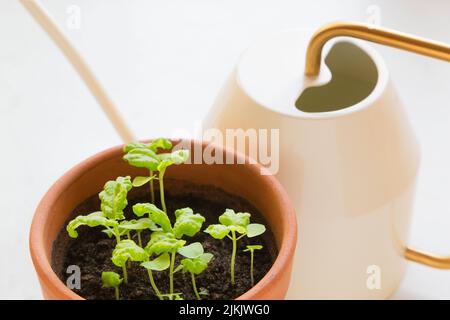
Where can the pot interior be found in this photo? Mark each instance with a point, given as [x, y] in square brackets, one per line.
[88, 178]
[91, 251]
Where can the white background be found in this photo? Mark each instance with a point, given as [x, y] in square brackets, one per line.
[163, 63]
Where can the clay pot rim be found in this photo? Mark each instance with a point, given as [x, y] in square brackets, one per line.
[55, 285]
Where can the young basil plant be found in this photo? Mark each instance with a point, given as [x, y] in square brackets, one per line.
[251, 249]
[165, 243]
[112, 280]
[144, 155]
[127, 250]
[140, 225]
[238, 225]
[113, 201]
[187, 223]
[195, 263]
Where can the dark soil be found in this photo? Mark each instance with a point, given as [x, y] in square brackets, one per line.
[91, 251]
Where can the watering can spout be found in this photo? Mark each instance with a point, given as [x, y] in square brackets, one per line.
[50, 27]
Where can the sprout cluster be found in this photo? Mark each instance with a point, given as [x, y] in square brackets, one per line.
[167, 240]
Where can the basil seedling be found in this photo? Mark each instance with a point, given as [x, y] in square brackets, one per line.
[234, 223]
[127, 250]
[195, 263]
[143, 155]
[113, 201]
[165, 243]
[251, 249]
[187, 223]
[111, 280]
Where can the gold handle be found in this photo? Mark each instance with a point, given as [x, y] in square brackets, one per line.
[379, 35]
[429, 259]
[390, 38]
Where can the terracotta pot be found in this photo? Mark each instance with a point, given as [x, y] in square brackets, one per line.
[87, 178]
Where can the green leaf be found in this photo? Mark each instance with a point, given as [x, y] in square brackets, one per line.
[253, 247]
[154, 145]
[142, 158]
[163, 242]
[176, 157]
[155, 214]
[91, 220]
[140, 224]
[111, 279]
[238, 229]
[160, 143]
[255, 229]
[128, 250]
[217, 231]
[140, 181]
[230, 218]
[179, 268]
[158, 264]
[162, 166]
[187, 223]
[134, 145]
[114, 197]
[197, 265]
[193, 250]
[179, 156]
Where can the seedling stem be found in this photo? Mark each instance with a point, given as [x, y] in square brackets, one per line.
[233, 255]
[152, 191]
[194, 286]
[172, 263]
[161, 189]
[152, 282]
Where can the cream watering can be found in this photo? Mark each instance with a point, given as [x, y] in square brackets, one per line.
[348, 156]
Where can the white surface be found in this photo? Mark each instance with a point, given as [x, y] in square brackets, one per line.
[163, 63]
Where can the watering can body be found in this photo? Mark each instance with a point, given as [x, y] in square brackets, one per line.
[347, 157]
